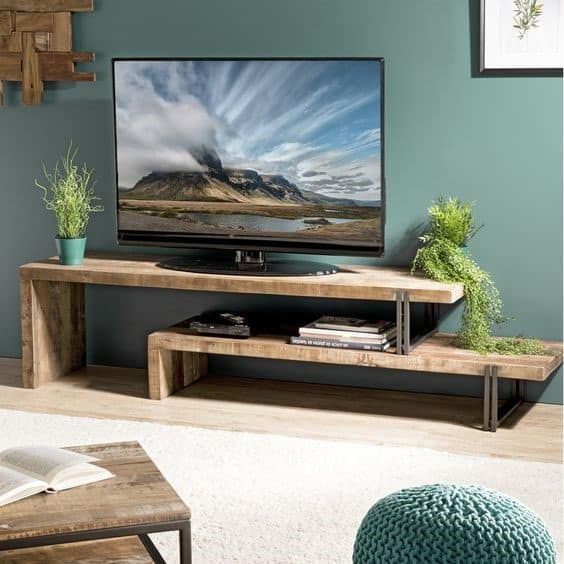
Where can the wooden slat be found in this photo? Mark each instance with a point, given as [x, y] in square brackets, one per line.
[355, 282]
[13, 43]
[127, 550]
[56, 66]
[138, 494]
[32, 84]
[60, 66]
[6, 23]
[42, 41]
[437, 354]
[10, 66]
[52, 66]
[47, 5]
[34, 21]
[61, 39]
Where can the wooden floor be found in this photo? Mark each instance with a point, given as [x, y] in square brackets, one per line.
[444, 423]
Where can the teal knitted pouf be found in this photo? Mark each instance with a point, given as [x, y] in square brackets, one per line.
[452, 525]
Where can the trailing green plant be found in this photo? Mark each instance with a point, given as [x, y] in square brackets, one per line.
[526, 15]
[443, 257]
[68, 191]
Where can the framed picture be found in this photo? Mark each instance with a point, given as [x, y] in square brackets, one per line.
[521, 36]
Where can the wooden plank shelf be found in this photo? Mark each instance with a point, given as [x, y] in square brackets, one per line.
[178, 357]
[437, 354]
[127, 549]
[354, 282]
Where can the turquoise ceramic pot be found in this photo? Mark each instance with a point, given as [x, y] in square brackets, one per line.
[71, 251]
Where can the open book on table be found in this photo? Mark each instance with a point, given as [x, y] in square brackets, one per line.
[25, 471]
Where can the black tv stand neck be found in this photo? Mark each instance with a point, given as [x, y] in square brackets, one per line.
[250, 260]
[248, 263]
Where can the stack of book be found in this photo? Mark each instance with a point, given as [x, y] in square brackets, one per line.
[347, 333]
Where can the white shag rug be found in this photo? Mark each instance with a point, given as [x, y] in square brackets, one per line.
[271, 499]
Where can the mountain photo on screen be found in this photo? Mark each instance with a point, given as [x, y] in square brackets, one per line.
[257, 148]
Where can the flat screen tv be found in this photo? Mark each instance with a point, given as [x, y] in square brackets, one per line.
[251, 155]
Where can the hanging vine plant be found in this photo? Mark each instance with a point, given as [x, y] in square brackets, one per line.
[443, 257]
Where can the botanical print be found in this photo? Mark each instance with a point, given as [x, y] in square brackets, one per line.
[527, 14]
[522, 34]
[279, 148]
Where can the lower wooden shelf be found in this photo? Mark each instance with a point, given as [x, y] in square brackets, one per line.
[178, 357]
[438, 353]
[127, 549]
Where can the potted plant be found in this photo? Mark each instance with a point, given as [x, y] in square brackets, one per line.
[68, 191]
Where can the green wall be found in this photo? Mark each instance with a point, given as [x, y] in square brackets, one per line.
[497, 141]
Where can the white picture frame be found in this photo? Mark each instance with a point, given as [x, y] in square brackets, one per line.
[521, 36]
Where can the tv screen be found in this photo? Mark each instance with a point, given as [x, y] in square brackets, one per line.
[277, 154]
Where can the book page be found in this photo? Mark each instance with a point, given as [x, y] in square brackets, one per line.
[15, 485]
[41, 462]
[78, 475]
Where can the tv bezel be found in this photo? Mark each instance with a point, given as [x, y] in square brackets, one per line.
[188, 241]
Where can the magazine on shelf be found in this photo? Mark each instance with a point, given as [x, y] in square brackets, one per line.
[26, 471]
[375, 338]
[329, 343]
[354, 324]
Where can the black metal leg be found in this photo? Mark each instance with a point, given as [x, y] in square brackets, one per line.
[399, 321]
[403, 322]
[406, 324]
[495, 414]
[516, 399]
[185, 538]
[152, 549]
[494, 409]
[432, 315]
[407, 341]
[487, 398]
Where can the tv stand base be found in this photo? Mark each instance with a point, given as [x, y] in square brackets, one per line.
[248, 263]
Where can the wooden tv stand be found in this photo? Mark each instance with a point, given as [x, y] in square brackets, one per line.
[53, 322]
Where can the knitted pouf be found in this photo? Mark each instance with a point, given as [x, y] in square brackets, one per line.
[452, 524]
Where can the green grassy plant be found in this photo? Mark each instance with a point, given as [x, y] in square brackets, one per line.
[68, 191]
[443, 257]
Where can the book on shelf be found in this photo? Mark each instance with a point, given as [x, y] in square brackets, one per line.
[334, 344]
[26, 471]
[312, 331]
[336, 323]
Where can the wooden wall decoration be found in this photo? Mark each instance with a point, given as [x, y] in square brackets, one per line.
[36, 45]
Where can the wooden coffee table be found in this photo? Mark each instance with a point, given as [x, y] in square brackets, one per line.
[107, 521]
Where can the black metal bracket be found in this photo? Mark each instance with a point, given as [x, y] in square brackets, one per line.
[495, 414]
[151, 549]
[405, 342]
[142, 531]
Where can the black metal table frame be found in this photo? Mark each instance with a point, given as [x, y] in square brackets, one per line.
[494, 414]
[405, 342]
[142, 531]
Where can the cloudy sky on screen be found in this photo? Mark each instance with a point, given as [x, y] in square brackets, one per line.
[315, 122]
